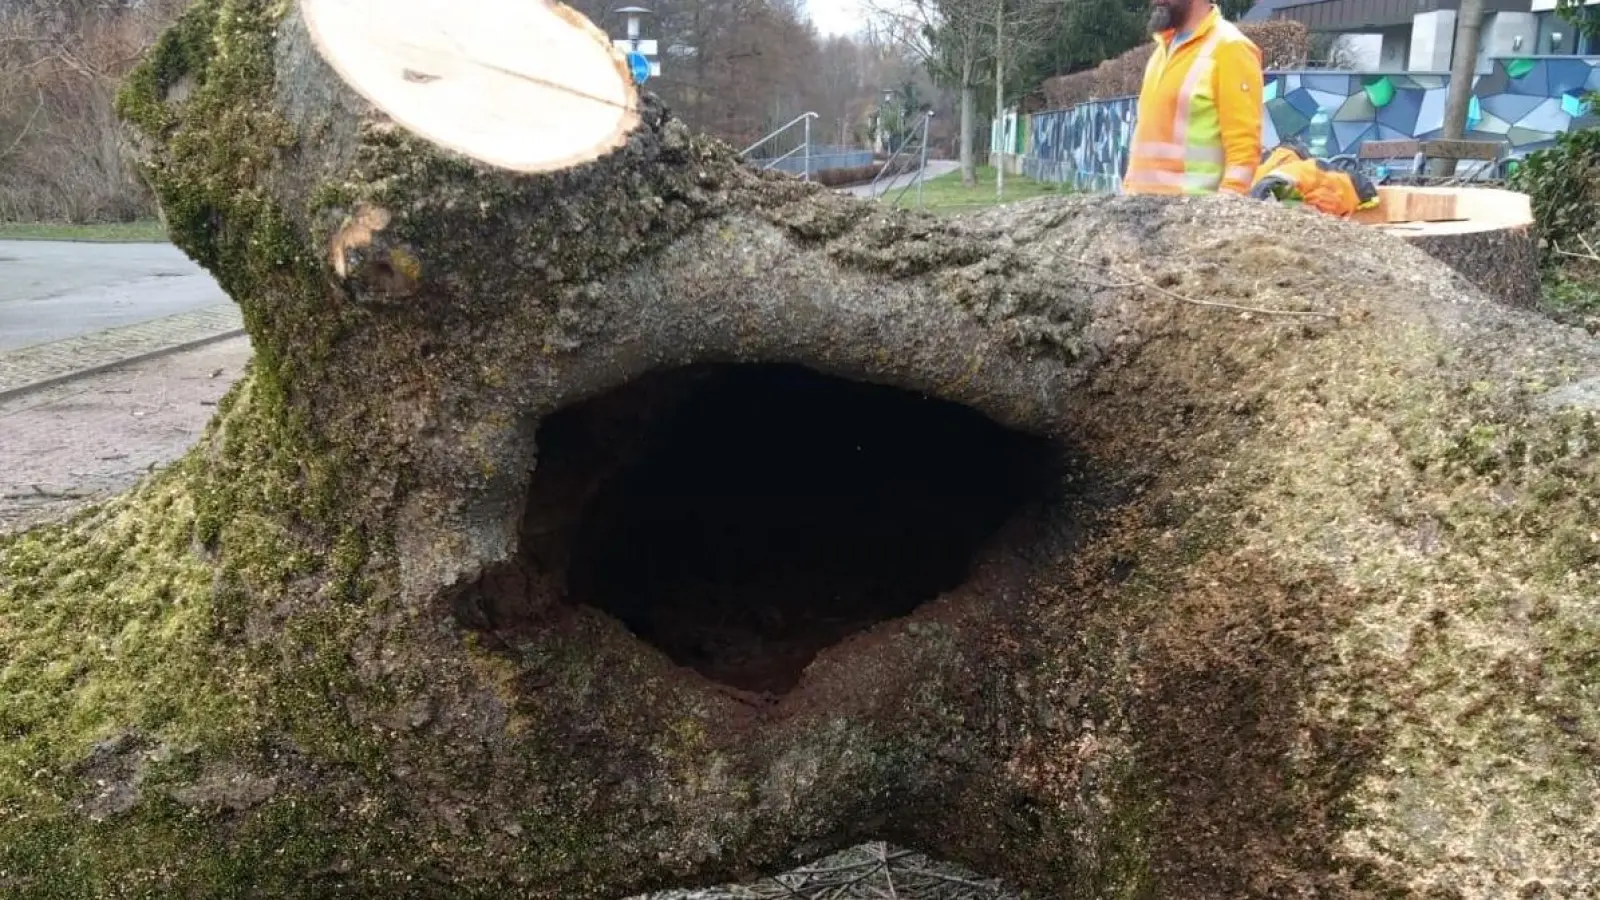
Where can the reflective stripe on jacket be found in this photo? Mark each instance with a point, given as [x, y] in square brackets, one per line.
[1199, 119]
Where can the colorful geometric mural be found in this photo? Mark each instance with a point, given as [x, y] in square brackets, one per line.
[1086, 145]
[1526, 102]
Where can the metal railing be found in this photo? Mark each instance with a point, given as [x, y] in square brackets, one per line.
[920, 143]
[825, 157]
[803, 120]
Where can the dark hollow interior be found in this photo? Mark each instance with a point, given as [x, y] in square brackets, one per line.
[744, 517]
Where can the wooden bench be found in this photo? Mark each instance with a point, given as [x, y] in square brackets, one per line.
[1446, 148]
[1371, 154]
[1388, 150]
[1495, 154]
[1419, 153]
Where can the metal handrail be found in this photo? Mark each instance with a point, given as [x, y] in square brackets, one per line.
[778, 159]
[790, 124]
[805, 144]
[922, 146]
[872, 186]
[922, 165]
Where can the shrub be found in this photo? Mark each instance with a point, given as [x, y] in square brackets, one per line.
[1284, 45]
[1563, 183]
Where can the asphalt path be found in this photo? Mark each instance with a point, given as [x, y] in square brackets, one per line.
[51, 290]
[936, 167]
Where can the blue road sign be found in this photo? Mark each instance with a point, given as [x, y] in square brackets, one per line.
[639, 64]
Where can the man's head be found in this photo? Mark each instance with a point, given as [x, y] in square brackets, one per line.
[1167, 14]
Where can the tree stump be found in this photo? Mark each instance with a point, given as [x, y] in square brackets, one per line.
[1485, 234]
[601, 514]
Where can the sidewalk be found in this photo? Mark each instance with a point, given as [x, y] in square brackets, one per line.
[87, 417]
[42, 365]
[936, 167]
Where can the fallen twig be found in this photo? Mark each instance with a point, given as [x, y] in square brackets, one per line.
[1588, 254]
[888, 873]
[38, 492]
[1589, 247]
[853, 875]
[1139, 279]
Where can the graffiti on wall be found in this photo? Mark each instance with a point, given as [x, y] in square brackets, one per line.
[1525, 102]
[1086, 145]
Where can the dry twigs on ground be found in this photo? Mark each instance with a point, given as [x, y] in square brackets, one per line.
[1138, 279]
[875, 871]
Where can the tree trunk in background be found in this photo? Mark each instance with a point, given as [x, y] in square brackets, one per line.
[1463, 69]
[968, 108]
[999, 100]
[969, 100]
[1284, 517]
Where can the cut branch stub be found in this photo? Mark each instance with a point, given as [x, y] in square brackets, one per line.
[530, 87]
[372, 265]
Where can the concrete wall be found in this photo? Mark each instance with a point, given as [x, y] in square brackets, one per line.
[1557, 36]
[1507, 34]
[1432, 36]
[1394, 53]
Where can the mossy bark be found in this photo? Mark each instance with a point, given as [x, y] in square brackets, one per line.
[1314, 615]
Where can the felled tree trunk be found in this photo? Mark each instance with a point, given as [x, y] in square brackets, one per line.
[601, 514]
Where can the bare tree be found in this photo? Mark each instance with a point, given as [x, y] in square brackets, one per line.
[845, 86]
[1020, 27]
[737, 68]
[61, 62]
[1333, 51]
[1463, 63]
[953, 40]
[899, 57]
[958, 40]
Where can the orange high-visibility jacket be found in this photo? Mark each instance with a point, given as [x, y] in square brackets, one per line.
[1199, 120]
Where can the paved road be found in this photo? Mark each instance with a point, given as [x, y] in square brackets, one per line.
[65, 446]
[936, 167]
[52, 290]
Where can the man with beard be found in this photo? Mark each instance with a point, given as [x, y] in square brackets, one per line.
[1199, 120]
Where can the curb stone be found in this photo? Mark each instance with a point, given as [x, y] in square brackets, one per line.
[19, 238]
[43, 365]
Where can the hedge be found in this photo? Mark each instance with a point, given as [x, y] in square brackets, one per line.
[860, 174]
[1284, 45]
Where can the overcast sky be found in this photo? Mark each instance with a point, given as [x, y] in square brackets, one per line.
[837, 16]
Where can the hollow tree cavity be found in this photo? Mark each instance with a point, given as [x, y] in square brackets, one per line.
[741, 518]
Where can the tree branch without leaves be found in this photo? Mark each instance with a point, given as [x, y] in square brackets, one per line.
[23, 134]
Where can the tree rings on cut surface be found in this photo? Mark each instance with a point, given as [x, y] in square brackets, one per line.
[526, 85]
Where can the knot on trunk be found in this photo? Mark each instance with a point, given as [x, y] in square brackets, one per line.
[372, 264]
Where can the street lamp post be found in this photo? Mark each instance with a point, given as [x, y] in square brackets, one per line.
[883, 114]
[634, 44]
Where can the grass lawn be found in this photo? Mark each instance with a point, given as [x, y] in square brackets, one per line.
[143, 231]
[1572, 295]
[947, 194]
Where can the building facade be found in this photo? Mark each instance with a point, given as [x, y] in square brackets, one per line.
[1419, 35]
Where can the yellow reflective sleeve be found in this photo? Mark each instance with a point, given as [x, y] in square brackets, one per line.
[1239, 82]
